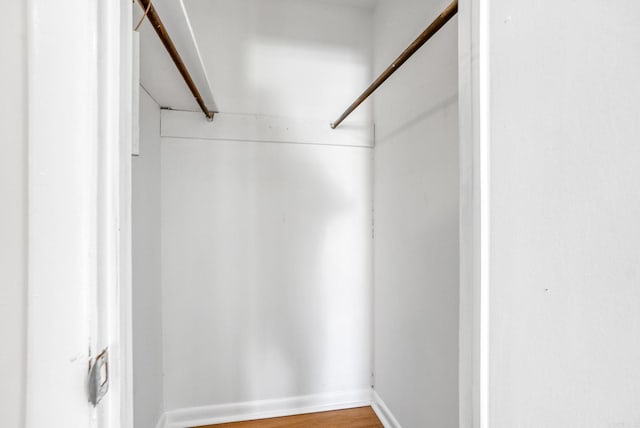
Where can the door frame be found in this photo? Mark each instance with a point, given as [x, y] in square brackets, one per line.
[79, 226]
[475, 184]
[79, 198]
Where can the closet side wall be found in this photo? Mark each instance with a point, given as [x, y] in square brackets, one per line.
[416, 218]
[147, 303]
[565, 210]
[13, 214]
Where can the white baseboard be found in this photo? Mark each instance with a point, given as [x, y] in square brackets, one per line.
[383, 412]
[246, 411]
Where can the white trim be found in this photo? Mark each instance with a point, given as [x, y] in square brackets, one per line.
[135, 87]
[78, 188]
[484, 93]
[251, 410]
[62, 195]
[474, 102]
[383, 412]
[114, 136]
[258, 128]
[123, 328]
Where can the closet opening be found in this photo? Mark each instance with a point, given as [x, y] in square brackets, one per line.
[282, 267]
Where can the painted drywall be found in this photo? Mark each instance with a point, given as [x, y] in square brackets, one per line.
[13, 215]
[267, 242]
[416, 218]
[565, 204]
[147, 269]
[266, 270]
[291, 58]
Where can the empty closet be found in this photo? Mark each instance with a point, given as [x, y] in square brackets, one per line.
[282, 266]
[460, 251]
[218, 242]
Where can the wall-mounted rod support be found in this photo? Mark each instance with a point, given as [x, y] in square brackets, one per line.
[432, 29]
[157, 24]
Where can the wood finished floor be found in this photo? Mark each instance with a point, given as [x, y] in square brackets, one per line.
[361, 417]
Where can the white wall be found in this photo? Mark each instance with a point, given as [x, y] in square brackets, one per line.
[267, 270]
[147, 303]
[266, 258]
[292, 58]
[565, 204]
[416, 218]
[13, 145]
[266, 241]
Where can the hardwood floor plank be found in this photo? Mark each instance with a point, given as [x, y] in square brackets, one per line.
[360, 417]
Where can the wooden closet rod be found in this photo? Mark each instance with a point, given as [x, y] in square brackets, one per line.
[157, 24]
[432, 29]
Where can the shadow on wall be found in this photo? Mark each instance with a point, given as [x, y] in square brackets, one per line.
[293, 58]
[268, 267]
[267, 247]
[289, 288]
[437, 109]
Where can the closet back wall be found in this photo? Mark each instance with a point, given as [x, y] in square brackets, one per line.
[266, 270]
[416, 218]
[267, 238]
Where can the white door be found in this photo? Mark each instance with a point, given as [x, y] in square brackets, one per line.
[79, 223]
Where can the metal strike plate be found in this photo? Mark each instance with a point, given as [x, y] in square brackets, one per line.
[98, 377]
